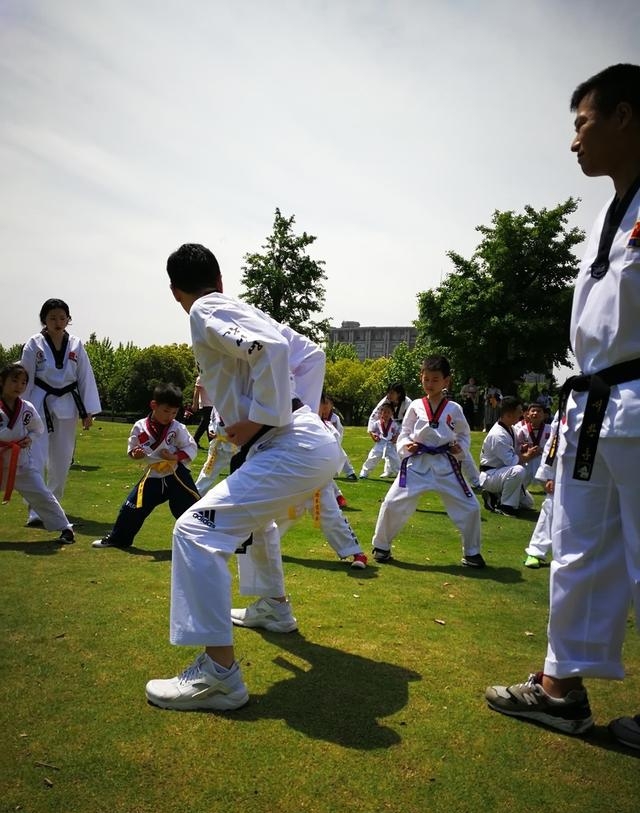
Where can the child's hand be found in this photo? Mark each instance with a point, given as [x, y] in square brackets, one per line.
[165, 454]
[549, 486]
[412, 447]
[374, 436]
[25, 442]
[87, 422]
[137, 453]
[456, 449]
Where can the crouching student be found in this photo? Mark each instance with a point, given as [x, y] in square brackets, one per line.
[434, 437]
[166, 446]
[19, 424]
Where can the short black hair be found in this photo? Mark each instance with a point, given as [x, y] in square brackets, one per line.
[436, 364]
[509, 404]
[168, 395]
[193, 268]
[615, 84]
[51, 305]
[386, 405]
[9, 369]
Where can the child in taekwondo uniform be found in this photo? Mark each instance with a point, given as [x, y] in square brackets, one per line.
[434, 438]
[166, 446]
[384, 435]
[19, 424]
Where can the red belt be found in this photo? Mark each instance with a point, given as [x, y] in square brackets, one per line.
[15, 448]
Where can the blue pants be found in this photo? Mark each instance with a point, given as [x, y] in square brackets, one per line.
[178, 488]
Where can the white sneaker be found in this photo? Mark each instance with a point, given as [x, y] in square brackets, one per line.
[200, 686]
[271, 615]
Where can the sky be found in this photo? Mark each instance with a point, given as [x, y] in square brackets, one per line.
[389, 129]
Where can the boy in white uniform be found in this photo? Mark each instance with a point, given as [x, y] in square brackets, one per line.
[540, 542]
[286, 454]
[221, 450]
[167, 447]
[532, 432]
[384, 434]
[433, 440]
[19, 424]
[502, 466]
[595, 573]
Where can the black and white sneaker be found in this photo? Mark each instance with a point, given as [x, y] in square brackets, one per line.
[475, 560]
[490, 500]
[106, 542]
[67, 537]
[381, 555]
[570, 714]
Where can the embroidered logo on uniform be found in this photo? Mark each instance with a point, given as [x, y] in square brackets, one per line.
[171, 436]
[634, 240]
[206, 517]
[73, 356]
[26, 418]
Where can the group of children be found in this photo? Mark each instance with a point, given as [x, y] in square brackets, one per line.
[424, 444]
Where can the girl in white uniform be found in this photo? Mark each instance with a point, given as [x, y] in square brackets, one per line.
[396, 396]
[19, 425]
[62, 388]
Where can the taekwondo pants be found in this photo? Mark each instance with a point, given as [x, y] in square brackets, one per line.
[281, 471]
[333, 524]
[428, 473]
[387, 451]
[508, 484]
[31, 487]
[218, 458]
[540, 542]
[53, 451]
[595, 573]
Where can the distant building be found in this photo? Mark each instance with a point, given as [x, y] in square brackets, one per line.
[372, 342]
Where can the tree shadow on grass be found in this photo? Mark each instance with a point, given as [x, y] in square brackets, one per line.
[324, 698]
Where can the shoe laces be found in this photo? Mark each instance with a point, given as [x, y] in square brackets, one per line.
[192, 672]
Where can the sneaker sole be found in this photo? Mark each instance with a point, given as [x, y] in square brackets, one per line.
[217, 702]
[548, 720]
[358, 565]
[477, 565]
[616, 729]
[270, 626]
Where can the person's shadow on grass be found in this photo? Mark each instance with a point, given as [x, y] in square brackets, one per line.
[334, 695]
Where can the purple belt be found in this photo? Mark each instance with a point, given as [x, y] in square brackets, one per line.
[444, 449]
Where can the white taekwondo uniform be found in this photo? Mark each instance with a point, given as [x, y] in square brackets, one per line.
[245, 360]
[430, 472]
[23, 422]
[595, 573]
[53, 449]
[501, 472]
[384, 447]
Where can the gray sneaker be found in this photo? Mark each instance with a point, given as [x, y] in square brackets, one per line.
[529, 700]
[274, 617]
[626, 730]
[200, 686]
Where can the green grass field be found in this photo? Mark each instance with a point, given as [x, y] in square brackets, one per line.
[376, 704]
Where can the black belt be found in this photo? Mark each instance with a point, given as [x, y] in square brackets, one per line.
[486, 468]
[58, 391]
[598, 385]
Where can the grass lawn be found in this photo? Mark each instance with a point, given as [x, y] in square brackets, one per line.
[376, 704]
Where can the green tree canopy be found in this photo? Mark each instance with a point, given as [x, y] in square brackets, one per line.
[285, 282]
[505, 311]
[356, 386]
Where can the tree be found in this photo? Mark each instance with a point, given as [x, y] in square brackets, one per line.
[285, 282]
[505, 311]
[340, 350]
[356, 386]
[404, 368]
